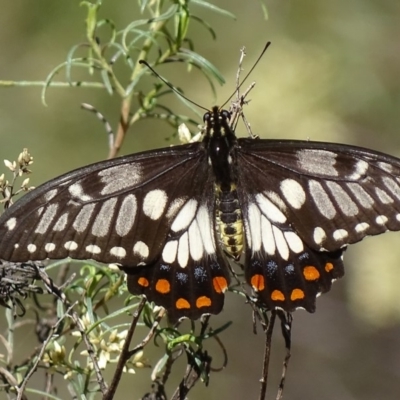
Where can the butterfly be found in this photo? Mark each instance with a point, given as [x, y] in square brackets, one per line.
[174, 217]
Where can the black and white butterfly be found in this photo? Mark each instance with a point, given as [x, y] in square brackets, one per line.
[171, 218]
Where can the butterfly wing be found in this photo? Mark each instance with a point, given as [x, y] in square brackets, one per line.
[303, 203]
[150, 213]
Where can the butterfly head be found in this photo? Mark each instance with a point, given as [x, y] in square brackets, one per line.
[217, 122]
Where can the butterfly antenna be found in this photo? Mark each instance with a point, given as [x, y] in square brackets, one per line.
[173, 88]
[248, 74]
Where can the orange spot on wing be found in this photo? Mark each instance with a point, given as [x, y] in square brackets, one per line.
[182, 303]
[311, 273]
[328, 267]
[203, 301]
[277, 295]
[163, 286]
[297, 294]
[143, 281]
[220, 284]
[257, 282]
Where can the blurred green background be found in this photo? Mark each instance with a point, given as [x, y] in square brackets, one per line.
[331, 74]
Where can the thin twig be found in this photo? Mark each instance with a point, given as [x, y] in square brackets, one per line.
[286, 325]
[95, 85]
[124, 356]
[124, 123]
[192, 375]
[240, 70]
[148, 337]
[10, 379]
[267, 354]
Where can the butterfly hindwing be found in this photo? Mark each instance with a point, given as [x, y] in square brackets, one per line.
[190, 276]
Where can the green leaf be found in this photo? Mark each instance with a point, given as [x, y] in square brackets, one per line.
[44, 394]
[214, 8]
[205, 65]
[163, 17]
[91, 19]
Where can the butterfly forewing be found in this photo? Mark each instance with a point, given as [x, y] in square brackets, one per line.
[331, 195]
[114, 211]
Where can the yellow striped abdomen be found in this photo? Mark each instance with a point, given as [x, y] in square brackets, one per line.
[229, 221]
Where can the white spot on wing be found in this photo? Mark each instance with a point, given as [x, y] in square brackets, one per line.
[383, 196]
[76, 190]
[154, 203]
[270, 210]
[267, 237]
[71, 245]
[381, 219]
[361, 195]
[183, 250]
[293, 192]
[31, 248]
[392, 186]
[46, 218]
[361, 227]
[385, 166]
[82, 220]
[185, 216]
[102, 222]
[50, 194]
[344, 201]
[321, 199]
[360, 170]
[281, 243]
[276, 199]
[340, 234]
[206, 229]
[294, 242]
[92, 248]
[118, 252]
[316, 161]
[169, 251]
[49, 247]
[141, 249]
[61, 223]
[254, 220]
[195, 242]
[120, 177]
[174, 207]
[126, 215]
[319, 235]
[11, 223]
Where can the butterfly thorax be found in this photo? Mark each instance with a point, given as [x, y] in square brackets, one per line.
[221, 141]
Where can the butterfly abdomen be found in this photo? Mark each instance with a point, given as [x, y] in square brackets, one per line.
[229, 221]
